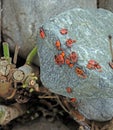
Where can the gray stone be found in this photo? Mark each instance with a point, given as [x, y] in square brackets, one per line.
[91, 29]
[106, 4]
[41, 124]
[22, 18]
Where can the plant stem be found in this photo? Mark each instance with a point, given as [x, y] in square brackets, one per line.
[31, 55]
[111, 49]
[6, 50]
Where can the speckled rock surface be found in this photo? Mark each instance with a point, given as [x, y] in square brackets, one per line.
[22, 18]
[90, 28]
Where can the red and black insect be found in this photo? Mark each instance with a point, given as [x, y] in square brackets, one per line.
[73, 57]
[63, 53]
[73, 100]
[58, 45]
[42, 33]
[69, 42]
[69, 90]
[80, 72]
[59, 59]
[63, 31]
[92, 64]
[67, 61]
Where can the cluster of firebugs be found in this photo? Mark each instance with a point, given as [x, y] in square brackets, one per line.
[61, 58]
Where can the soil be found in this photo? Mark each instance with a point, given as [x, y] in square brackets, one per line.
[44, 124]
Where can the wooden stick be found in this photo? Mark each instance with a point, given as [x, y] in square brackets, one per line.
[16, 54]
[111, 49]
[46, 97]
[8, 113]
